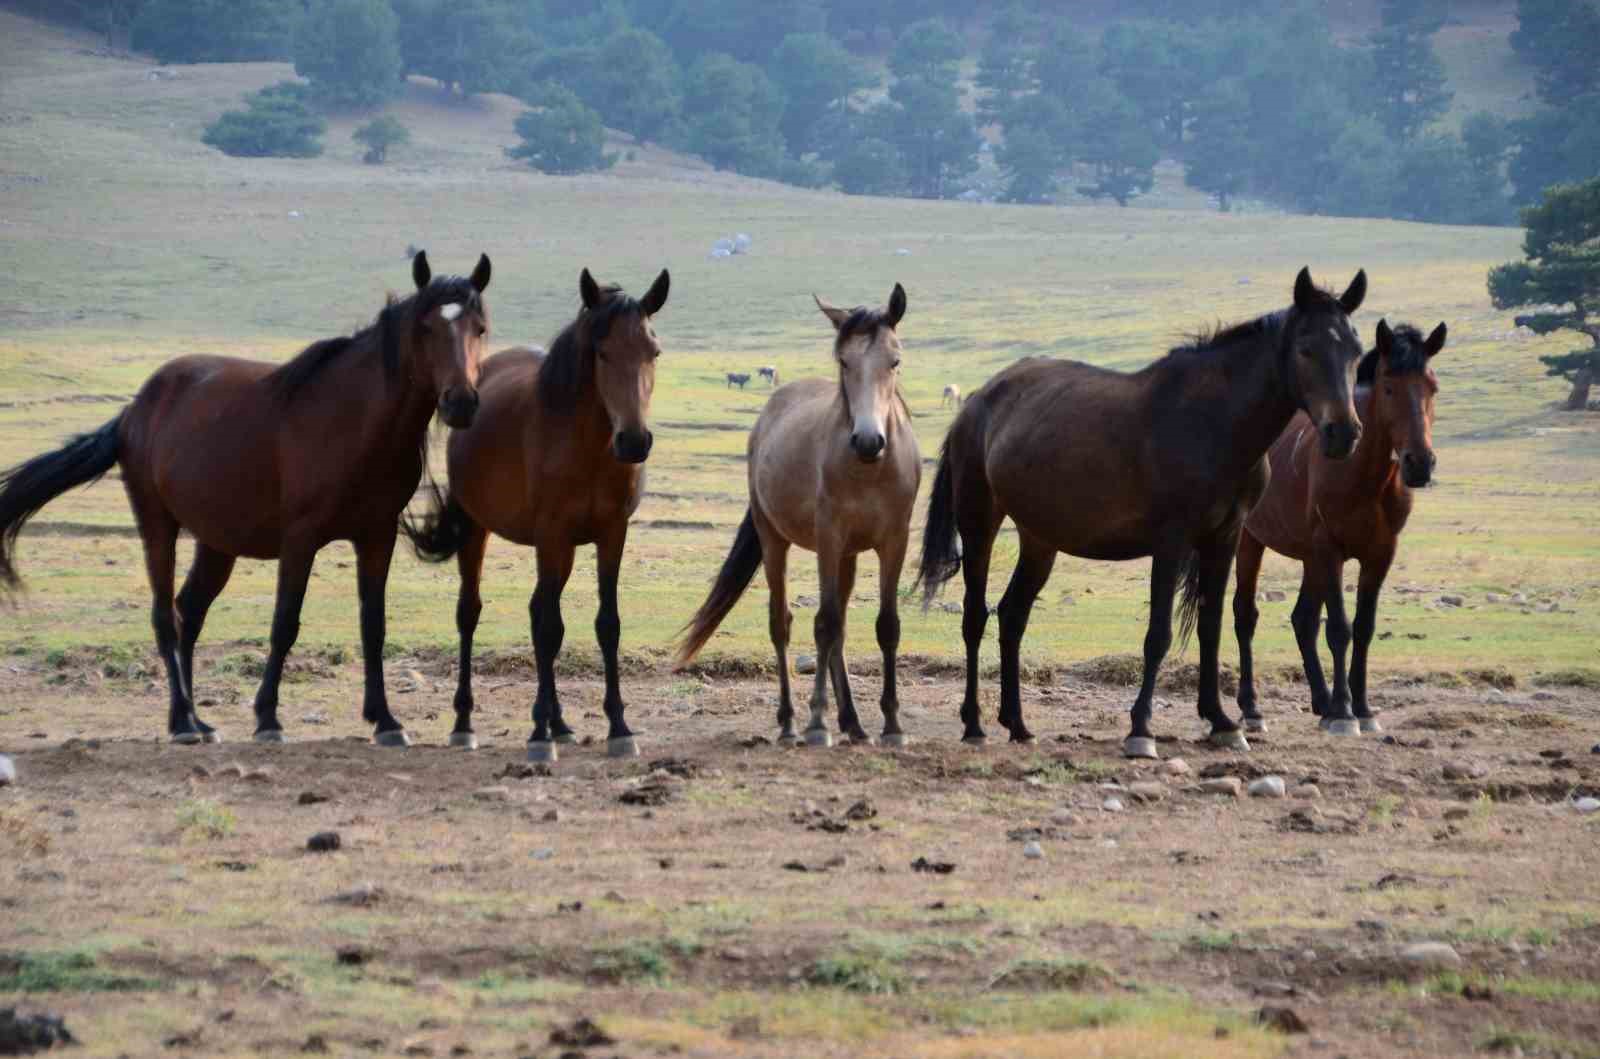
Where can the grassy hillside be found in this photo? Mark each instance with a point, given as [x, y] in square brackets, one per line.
[128, 242]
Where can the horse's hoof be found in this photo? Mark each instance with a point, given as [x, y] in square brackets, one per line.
[1140, 746]
[188, 738]
[860, 739]
[622, 746]
[818, 737]
[976, 740]
[1024, 739]
[1255, 724]
[894, 739]
[393, 737]
[1229, 739]
[270, 735]
[211, 735]
[464, 740]
[1341, 726]
[788, 738]
[542, 752]
[567, 738]
[1369, 725]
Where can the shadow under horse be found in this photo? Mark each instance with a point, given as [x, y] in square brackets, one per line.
[1324, 512]
[555, 460]
[270, 461]
[1164, 462]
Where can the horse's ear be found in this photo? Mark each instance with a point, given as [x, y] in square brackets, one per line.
[1305, 292]
[420, 272]
[897, 306]
[589, 290]
[480, 275]
[656, 296]
[1354, 294]
[836, 316]
[1385, 341]
[1435, 341]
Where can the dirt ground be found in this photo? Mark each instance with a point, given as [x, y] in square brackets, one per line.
[721, 895]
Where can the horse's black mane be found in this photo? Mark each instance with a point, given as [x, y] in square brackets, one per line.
[1270, 326]
[1407, 356]
[569, 363]
[861, 320]
[386, 330]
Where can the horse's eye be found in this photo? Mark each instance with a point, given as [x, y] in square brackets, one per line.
[482, 330]
[896, 365]
[1388, 391]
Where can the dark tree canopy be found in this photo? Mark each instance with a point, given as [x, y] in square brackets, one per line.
[276, 122]
[350, 51]
[560, 134]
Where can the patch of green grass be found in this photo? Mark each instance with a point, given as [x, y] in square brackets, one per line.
[66, 971]
[1050, 973]
[202, 818]
[1212, 941]
[856, 972]
[1384, 808]
[1562, 990]
[643, 960]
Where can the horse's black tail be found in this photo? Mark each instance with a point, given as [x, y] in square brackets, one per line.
[941, 553]
[737, 571]
[1189, 605]
[27, 487]
[442, 532]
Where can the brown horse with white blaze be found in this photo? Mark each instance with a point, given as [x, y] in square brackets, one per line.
[1324, 512]
[1164, 462]
[834, 468]
[274, 461]
[555, 460]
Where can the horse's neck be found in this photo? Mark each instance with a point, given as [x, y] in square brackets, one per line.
[1259, 402]
[1373, 460]
[396, 408]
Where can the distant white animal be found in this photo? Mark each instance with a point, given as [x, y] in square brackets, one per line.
[952, 396]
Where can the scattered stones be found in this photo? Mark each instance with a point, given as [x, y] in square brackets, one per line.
[1430, 954]
[8, 771]
[1033, 851]
[1587, 805]
[310, 798]
[1112, 804]
[862, 810]
[314, 718]
[492, 794]
[1449, 600]
[656, 789]
[805, 664]
[1147, 791]
[1228, 785]
[1267, 787]
[1063, 818]
[521, 770]
[323, 842]
[1175, 766]
[1282, 1019]
[1494, 597]
[935, 867]
[31, 1033]
[1308, 792]
[1465, 770]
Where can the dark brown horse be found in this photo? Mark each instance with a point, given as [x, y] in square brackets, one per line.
[273, 462]
[1163, 462]
[1324, 512]
[555, 460]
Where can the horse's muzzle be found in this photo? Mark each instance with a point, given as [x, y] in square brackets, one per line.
[1417, 472]
[632, 446]
[458, 408]
[869, 447]
[1339, 439]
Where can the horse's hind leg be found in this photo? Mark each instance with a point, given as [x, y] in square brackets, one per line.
[891, 557]
[159, 533]
[294, 571]
[469, 605]
[775, 563]
[608, 631]
[1033, 570]
[1164, 569]
[1306, 618]
[977, 530]
[827, 628]
[208, 576]
[372, 578]
[1245, 616]
[1373, 574]
[1339, 719]
[849, 720]
[544, 612]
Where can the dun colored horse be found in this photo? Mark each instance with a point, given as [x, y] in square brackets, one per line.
[1163, 462]
[833, 468]
[1323, 513]
[555, 460]
[770, 373]
[273, 462]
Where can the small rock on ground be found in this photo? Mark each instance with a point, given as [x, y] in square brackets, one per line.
[1282, 1019]
[1228, 785]
[1587, 805]
[30, 1033]
[1464, 770]
[1175, 766]
[804, 664]
[1033, 851]
[323, 842]
[1430, 954]
[492, 794]
[1147, 791]
[8, 771]
[1308, 792]
[1063, 818]
[1112, 805]
[1267, 787]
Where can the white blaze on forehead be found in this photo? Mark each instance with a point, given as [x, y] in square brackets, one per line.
[1333, 334]
[450, 311]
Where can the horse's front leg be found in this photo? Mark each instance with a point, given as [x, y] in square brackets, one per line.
[608, 630]
[891, 557]
[1373, 573]
[294, 571]
[544, 613]
[849, 720]
[372, 578]
[1245, 616]
[1215, 563]
[827, 628]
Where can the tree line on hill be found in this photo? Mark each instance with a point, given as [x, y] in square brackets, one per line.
[1257, 99]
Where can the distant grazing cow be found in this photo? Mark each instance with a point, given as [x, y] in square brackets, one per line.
[952, 396]
[738, 378]
[769, 373]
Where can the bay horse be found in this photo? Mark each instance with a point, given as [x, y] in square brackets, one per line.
[1164, 462]
[555, 460]
[834, 468]
[1324, 513]
[272, 461]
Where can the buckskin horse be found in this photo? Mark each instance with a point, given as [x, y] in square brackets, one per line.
[1324, 512]
[1163, 462]
[834, 468]
[555, 460]
[273, 461]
